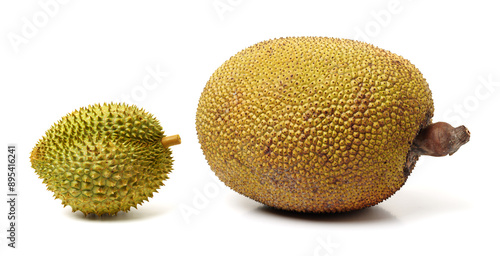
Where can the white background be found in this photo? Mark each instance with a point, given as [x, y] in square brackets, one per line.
[57, 58]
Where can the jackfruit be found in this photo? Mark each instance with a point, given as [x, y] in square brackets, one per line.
[317, 124]
[104, 158]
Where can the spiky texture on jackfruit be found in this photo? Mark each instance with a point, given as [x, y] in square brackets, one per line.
[103, 159]
[313, 124]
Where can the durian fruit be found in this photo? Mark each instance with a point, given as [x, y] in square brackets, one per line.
[103, 159]
[317, 124]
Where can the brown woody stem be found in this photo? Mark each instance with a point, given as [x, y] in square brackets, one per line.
[169, 141]
[440, 139]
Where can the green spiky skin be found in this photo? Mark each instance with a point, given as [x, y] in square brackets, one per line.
[103, 159]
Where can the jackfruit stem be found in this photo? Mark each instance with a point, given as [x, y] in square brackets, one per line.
[172, 140]
[440, 139]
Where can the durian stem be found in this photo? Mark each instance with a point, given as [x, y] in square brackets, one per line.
[440, 139]
[169, 141]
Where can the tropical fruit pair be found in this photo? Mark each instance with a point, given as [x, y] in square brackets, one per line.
[308, 124]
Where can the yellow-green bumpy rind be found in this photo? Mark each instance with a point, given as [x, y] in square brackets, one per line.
[313, 124]
[103, 159]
